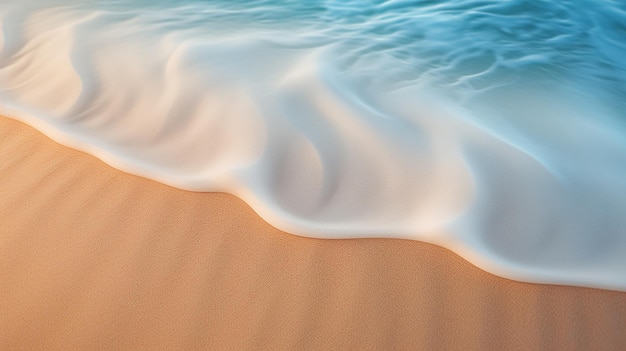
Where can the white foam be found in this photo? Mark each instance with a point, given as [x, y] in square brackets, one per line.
[521, 183]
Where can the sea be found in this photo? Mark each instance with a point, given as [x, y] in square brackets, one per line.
[493, 128]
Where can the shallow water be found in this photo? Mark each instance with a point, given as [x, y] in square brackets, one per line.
[493, 128]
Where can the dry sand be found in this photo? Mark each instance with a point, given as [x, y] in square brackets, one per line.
[92, 258]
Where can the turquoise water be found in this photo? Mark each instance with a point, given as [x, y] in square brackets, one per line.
[493, 128]
[455, 45]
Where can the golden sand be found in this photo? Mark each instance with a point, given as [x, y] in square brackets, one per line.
[92, 258]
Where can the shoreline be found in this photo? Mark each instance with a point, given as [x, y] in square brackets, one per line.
[95, 258]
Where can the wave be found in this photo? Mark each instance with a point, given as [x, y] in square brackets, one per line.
[492, 128]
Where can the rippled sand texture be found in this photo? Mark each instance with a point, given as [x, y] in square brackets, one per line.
[95, 259]
[494, 129]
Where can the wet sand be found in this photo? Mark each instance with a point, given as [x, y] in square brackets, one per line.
[95, 259]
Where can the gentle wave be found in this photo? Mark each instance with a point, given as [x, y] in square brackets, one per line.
[492, 128]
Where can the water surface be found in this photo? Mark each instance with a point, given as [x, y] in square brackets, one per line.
[493, 128]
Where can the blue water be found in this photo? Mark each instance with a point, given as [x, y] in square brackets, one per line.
[455, 45]
[493, 128]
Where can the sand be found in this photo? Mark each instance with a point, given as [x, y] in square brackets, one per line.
[92, 258]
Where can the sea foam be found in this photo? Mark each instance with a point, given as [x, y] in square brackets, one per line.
[492, 128]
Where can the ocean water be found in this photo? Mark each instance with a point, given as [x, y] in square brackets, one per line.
[493, 128]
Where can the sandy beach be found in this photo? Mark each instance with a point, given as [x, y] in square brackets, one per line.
[95, 259]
